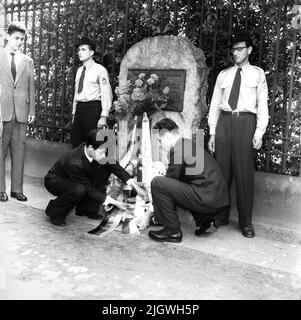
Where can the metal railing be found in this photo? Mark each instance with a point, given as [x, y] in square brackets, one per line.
[55, 26]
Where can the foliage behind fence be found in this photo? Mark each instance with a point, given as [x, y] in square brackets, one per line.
[55, 26]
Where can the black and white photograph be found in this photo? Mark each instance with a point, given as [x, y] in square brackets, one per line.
[150, 153]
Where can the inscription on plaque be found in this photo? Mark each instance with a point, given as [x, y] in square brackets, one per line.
[172, 78]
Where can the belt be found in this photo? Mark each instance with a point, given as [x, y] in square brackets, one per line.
[237, 113]
[85, 103]
[89, 101]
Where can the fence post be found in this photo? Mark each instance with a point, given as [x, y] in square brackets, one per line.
[2, 24]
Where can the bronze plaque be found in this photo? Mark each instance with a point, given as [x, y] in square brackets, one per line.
[172, 78]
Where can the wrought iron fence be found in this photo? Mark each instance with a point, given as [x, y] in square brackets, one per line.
[54, 27]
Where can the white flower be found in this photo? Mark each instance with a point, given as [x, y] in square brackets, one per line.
[138, 94]
[123, 98]
[139, 83]
[150, 81]
[154, 76]
[158, 168]
[141, 75]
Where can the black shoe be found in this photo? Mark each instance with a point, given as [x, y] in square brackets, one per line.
[58, 221]
[166, 235]
[202, 228]
[220, 222]
[3, 196]
[91, 215]
[19, 196]
[248, 231]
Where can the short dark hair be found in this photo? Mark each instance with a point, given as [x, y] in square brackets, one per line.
[92, 139]
[166, 124]
[16, 26]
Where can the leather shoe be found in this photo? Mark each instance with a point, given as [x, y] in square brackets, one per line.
[248, 231]
[91, 215]
[58, 222]
[220, 222]
[166, 235]
[3, 196]
[202, 228]
[19, 196]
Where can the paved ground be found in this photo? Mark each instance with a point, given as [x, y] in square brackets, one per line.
[41, 261]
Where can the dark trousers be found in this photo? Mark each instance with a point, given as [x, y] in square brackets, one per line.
[168, 193]
[71, 194]
[235, 156]
[86, 117]
[13, 137]
[68, 193]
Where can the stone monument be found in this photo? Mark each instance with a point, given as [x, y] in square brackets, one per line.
[183, 67]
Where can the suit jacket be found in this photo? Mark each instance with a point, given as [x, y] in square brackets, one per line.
[75, 166]
[19, 93]
[207, 179]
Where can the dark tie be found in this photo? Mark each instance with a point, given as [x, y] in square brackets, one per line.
[233, 98]
[81, 80]
[13, 66]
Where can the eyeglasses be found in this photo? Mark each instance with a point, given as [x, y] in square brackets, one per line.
[239, 49]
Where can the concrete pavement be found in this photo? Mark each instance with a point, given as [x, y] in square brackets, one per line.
[41, 261]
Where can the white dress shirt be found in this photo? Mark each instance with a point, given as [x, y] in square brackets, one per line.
[253, 96]
[96, 86]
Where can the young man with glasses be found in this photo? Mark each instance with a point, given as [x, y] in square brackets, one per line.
[92, 96]
[238, 118]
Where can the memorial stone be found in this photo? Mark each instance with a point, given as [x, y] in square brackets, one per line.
[182, 66]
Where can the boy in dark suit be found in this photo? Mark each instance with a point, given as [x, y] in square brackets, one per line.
[193, 183]
[17, 100]
[79, 178]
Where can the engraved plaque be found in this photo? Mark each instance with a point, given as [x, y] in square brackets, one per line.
[172, 78]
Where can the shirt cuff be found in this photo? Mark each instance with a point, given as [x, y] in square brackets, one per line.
[259, 133]
[130, 182]
[107, 201]
[212, 130]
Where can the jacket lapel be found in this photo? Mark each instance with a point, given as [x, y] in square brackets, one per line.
[6, 65]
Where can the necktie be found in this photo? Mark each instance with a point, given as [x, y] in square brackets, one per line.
[234, 94]
[81, 80]
[13, 66]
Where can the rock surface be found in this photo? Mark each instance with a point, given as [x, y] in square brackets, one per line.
[173, 52]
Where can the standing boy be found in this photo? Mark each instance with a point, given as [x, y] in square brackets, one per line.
[238, 118]
[17, 102]
[92, 96]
